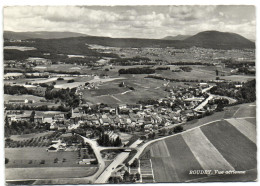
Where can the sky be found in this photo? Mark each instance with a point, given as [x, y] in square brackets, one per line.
[133, 21]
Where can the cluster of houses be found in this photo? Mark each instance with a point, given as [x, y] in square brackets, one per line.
[175, 108]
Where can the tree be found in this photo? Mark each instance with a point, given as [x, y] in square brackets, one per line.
[143, 137]
[178, 129]
[138, 176]
[71, 81]
[216, 72]
[126, 175]
[6, 121]
[32, 116]
[163, 131]
[118, 142]
[135, 163]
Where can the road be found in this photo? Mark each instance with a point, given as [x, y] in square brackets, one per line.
[96, 150]
[200, 106]
[206, 89]
[120, 158]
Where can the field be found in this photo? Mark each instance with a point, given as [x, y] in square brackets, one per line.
[32, 157]
[26, 163]
[196, 73]
[110, 92]
[8, 97]
[236, 148]
[227, 144]
[48, 172]
[29, 136]
[245, 127]
[241, 78]
[243, 110]
[206, 154]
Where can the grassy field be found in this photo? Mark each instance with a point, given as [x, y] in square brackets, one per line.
[196, 73]
[159, 149]
[27, 163]
[182, 158]
[110, 92]
[241, 78]
[206, 154]
[251, 120]
[8, 97]
[49, 172]
[216, 146]
[33, 156]
[246, 110]
[237, 149]
[167, 172]
[246, 128]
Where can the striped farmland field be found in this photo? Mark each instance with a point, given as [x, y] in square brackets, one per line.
[206, 154]
[245, 127]
[223, 145]
[236, 148]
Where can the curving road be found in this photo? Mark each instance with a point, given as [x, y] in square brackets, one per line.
[120, 158]
[96, 150]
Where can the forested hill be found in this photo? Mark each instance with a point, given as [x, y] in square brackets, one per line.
[40, 35]
[208, 39]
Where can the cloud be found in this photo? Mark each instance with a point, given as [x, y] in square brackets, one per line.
[131, 21]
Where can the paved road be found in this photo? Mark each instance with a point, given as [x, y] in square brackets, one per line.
[120, 158]
[96, 150]
[205, 102]
[206, 89]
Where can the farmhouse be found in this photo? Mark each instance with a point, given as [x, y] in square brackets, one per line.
[56, 146]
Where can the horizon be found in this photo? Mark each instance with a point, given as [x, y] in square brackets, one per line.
[162, 38]
[147, 22]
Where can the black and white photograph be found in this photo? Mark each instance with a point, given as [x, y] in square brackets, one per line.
[129, 94]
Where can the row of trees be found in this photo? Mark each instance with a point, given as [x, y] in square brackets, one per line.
[61, 108]
[178, 80]
[8, 89]
[136, 71]
[192, 63]
[163, 68]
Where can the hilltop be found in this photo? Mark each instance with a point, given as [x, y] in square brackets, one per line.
[215, 39]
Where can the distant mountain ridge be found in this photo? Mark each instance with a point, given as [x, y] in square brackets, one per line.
[178, 37]
[40, 35]
[206, 39]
